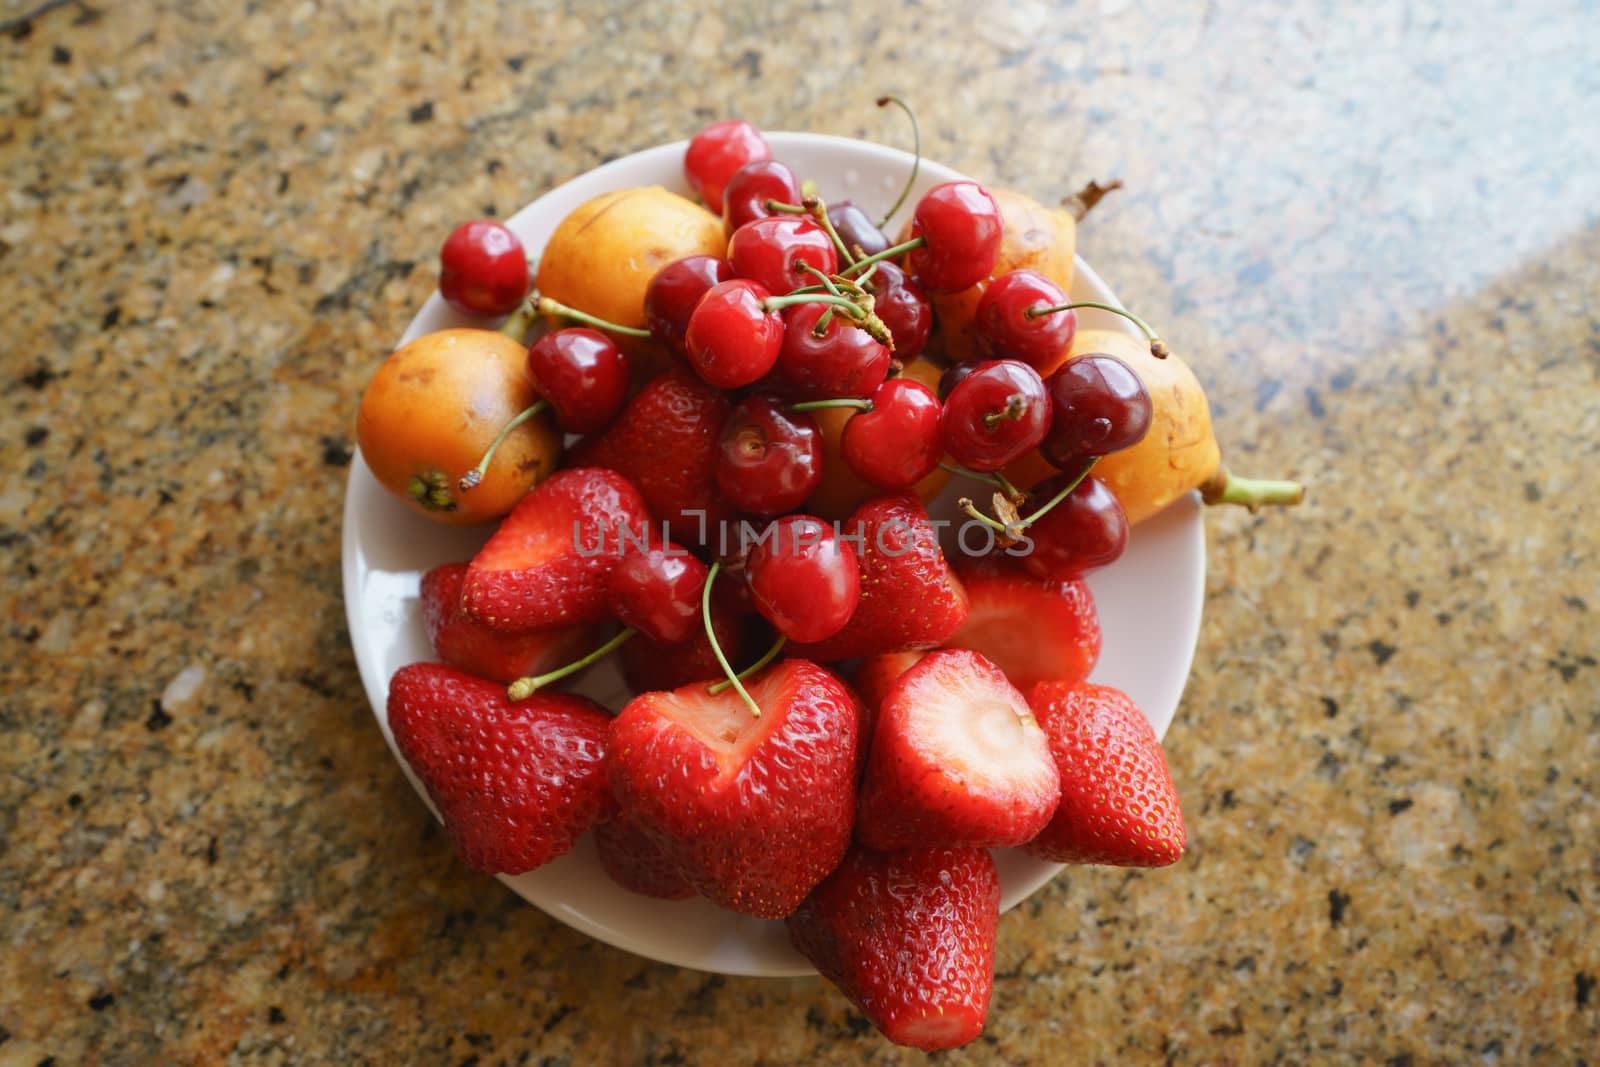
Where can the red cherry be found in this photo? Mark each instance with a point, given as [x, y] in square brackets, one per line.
[804, 578]
[903, 308]
[732, 338]
[674, 291]
[896, 444]
[844, 361]
[483, 269]
[657, 592]
[769, 459]
[767, 250]
[716, 153]
[1003, 329]
[583, 374]
[960, 223]
[995, 414]
[856, 228]
[745, 198]
[1087, 529]
[954, 375]
[1098, 405]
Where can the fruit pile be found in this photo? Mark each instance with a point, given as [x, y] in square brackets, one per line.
[708, 435]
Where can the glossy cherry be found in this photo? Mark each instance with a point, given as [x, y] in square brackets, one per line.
[657, 592]
[959, 223]
[844, 361]
[804, 578]
[1087, 529]
[769, 459]
[900, 303]
[995, 414]
[745, 198]
[732, 338]
[897, 443]
[674, 291]
[954, 375]
[1003, 328]
[1098, 405]
[583, 374]
[856, 228]
[716, 154]
[767, 251]
[483, 269]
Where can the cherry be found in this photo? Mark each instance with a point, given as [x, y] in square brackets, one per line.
[856, 229]
[804, 578]
[767, 250]
[959, 226]
[1086, 529]
[954, 375]
[1098, 405]
[716, 153]
[903, 308]
[844, 361]
[674, 291]
[895, 444]
[995, 414]
[745, 198]
[483, 269]
[732, 338]
[582, 373]
[657, 592]
[1003, 328]
[769, 459]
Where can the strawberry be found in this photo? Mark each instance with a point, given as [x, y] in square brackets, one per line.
[516, 784]
[754, 811]
[910, 599]
[877, 674]
[548, 562]
[1033, 630]
[665, 441]
[909, 938]
[464, 642]
[956, 760]
[635, 863]
[1118, 803]
[649, 665]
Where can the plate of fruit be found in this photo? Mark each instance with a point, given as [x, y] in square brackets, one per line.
[777, 553]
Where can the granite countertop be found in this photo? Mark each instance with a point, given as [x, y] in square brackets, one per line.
[1374, 235]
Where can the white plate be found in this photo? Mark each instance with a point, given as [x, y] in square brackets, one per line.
[1149, 600]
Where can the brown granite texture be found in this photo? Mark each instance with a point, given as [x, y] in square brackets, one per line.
[1373, 231]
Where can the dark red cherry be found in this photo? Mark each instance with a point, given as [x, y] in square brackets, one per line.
[483, 269]
[716, 154]
[804, 578]
[732, 338]
[1098, 405]
[1086, 530]
[856, 229]
[903, 308]
[1003, 329]
[844, 361]
[769, 459]
[960, 223]
[767, 250]
[583, 374]
[657, 592]
[745, 198]
[953, 376]
[995, 414]
[674, 291]
[896, 444]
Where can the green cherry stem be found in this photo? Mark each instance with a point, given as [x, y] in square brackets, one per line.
[520, 321]
[822, 279]
[1225, 488]
[470, 479]
[547, 306]
[1016, 407]
[888, 253]
[835, 402]
[819, 211]
[716, 649]
[1059, 497]
[820, 330]
[523, 688]
[777, 303]
[778, 207]
[766, 658]
[966, 505]
[998, 480]
[916, 151]
[1158, 347]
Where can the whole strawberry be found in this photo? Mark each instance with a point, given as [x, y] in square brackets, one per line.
[462, 641]
[909, 938]
[516, 784]
[635, 863]
[1035, 630]
[1118, 803]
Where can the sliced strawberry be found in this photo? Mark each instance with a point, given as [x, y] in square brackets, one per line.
[1118, 803]
[516, 784]
[548, 562]
[1034, 630]
[909, 938]
[464, 642]
[753, 811]
[956, 760]
[649, 665]
[635, 863]
[910, 599]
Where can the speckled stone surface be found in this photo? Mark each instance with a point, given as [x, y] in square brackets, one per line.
[1373, 233]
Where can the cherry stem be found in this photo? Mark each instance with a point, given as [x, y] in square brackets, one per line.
[766, 658]
[1059, 497]
[547, 306]
[888, 253]
[819, 211]
[523, 688]
[778, 207]
[916, 152]
[1158, 347]
[1253, 493]
[1016, 406]
[716, 649]
[835, 402]
[520, 321]
[822, 279]
[966, 505]
[1083, 201]
[776, 303]
[820, 330]
[470, 479]
[998, 480]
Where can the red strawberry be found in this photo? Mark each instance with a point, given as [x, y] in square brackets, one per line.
[666, 442]
[956, 760]
[1118, 804]
[910, 599]
[877, 674]
[548, 562]
[635, 863]
[909, 938]
[649, 665]
[1033, 630]
[753, 811]
[516, 784]
[464, 642]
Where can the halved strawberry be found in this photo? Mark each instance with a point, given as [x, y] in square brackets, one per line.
[464, 642]
[956, 760]
[910, 599]
[548, 562]
[753, 811]
[1034, 630]
[516, 784]
[909, 938]
[635, 863]
[1118, 803]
